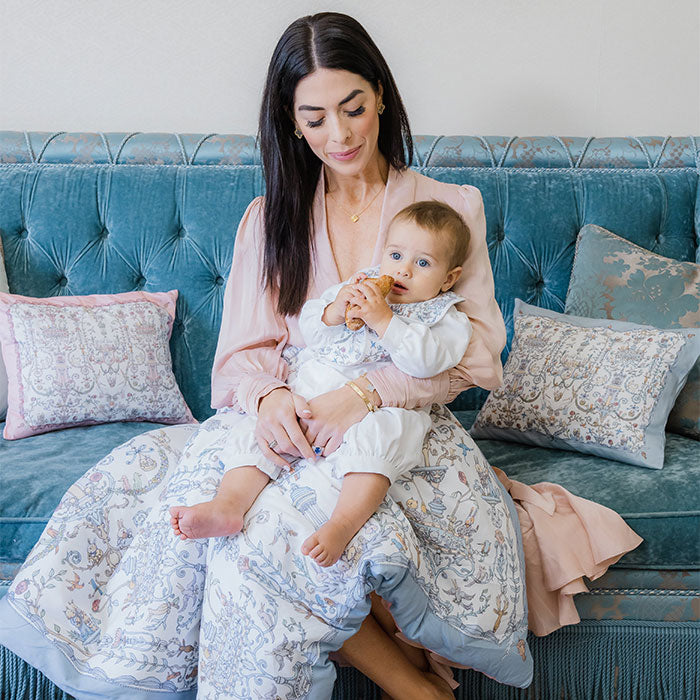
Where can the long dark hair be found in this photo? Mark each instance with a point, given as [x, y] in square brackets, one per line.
[326, 40]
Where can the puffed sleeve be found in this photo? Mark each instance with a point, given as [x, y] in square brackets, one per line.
[481, 363]
[424, 351]
[248, 363]
[315, 332]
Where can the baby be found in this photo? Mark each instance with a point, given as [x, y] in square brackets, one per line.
[417, 327]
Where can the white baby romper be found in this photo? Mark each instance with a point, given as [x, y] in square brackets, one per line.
[422, 339]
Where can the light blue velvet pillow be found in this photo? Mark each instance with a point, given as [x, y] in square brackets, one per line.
[613, 278]
[589, 385]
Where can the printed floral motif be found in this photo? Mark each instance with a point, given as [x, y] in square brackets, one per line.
[591, 385]
[93, 364]
[249, 616]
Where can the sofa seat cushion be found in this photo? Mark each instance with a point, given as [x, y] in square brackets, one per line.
[662, 506]
[36, 472]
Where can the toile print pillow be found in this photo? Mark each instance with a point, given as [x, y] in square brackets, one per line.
[613, 278]
[589, 385]
[82, 360]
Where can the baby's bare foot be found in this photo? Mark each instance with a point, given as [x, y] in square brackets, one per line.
[328, 542]
[216, 518]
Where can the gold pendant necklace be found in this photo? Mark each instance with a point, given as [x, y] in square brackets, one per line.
[356, 217]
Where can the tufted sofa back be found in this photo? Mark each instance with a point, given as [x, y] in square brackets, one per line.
[87, 213]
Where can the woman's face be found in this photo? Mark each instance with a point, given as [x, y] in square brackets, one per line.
[336, 111]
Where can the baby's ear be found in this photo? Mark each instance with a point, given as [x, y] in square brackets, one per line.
[451, 278]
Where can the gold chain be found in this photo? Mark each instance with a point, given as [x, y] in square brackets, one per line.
[356, 217]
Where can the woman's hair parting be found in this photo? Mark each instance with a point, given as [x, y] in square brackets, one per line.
[441, 219]
[326, 40]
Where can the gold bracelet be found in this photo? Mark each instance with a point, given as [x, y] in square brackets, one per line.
[370, 406]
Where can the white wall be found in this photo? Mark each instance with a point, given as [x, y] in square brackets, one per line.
[525, 67]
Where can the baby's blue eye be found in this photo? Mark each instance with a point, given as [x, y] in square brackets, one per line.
[395, 256]
[423, 263]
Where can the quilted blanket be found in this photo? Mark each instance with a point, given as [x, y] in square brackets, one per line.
[110, 604]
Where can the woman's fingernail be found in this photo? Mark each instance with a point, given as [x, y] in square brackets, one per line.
[306, 413]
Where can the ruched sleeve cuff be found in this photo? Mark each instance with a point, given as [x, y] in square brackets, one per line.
[254, 387]
[403, 391]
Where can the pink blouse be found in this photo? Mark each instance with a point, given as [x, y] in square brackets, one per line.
[248, 363]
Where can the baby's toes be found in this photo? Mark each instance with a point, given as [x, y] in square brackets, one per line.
[309, 544]
[317, 552]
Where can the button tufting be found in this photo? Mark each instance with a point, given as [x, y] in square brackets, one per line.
[62, 282]
[104, 233]
[539, 284]
[500, 235]
[219, 281]
[181, 233]
[140, 281]
[23, 233]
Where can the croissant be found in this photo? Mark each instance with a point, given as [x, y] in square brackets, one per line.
[385, 283]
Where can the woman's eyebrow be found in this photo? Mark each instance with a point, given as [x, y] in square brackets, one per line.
[309, 108]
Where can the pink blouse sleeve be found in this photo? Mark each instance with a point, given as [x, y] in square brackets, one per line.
[481, 364]
[248, 362]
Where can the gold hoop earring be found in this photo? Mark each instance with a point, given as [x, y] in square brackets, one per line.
[298, 133]
[381, 107]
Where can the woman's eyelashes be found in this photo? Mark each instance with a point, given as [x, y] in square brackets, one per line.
[355, 113]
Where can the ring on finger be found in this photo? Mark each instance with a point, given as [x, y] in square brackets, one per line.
[317, 450]
[272, 445]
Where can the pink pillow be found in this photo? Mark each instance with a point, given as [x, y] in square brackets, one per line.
[100, 358]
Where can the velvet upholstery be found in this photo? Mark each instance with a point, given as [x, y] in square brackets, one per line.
[657, 504]
[160, 211]
[88, 213]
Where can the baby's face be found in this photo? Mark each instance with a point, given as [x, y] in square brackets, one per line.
[418, 260]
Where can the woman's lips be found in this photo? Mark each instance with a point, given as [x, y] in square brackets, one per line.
[345, 155]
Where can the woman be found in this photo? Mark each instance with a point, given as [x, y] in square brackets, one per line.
[109, 604]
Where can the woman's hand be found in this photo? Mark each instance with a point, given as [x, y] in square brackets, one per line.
[278, 424]
[333, 413]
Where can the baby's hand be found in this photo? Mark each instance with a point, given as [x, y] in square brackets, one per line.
[334, 313]
[371, 307]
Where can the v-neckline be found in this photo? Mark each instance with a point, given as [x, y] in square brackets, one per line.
[325, 233]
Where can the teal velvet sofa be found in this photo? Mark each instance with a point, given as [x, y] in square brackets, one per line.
[86, 213]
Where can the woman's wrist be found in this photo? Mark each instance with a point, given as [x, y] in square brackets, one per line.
[352, 398]
[369, 390]
[274, 391]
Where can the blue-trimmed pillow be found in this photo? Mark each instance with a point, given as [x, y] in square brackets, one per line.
[589, 385]
[613, 278]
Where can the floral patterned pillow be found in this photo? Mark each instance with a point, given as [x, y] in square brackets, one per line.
[613, 278]
[75, 360]
[589, 385]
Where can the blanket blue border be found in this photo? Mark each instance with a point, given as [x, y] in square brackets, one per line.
[21, 638]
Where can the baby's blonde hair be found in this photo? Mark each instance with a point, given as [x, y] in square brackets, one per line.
[441, 219]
